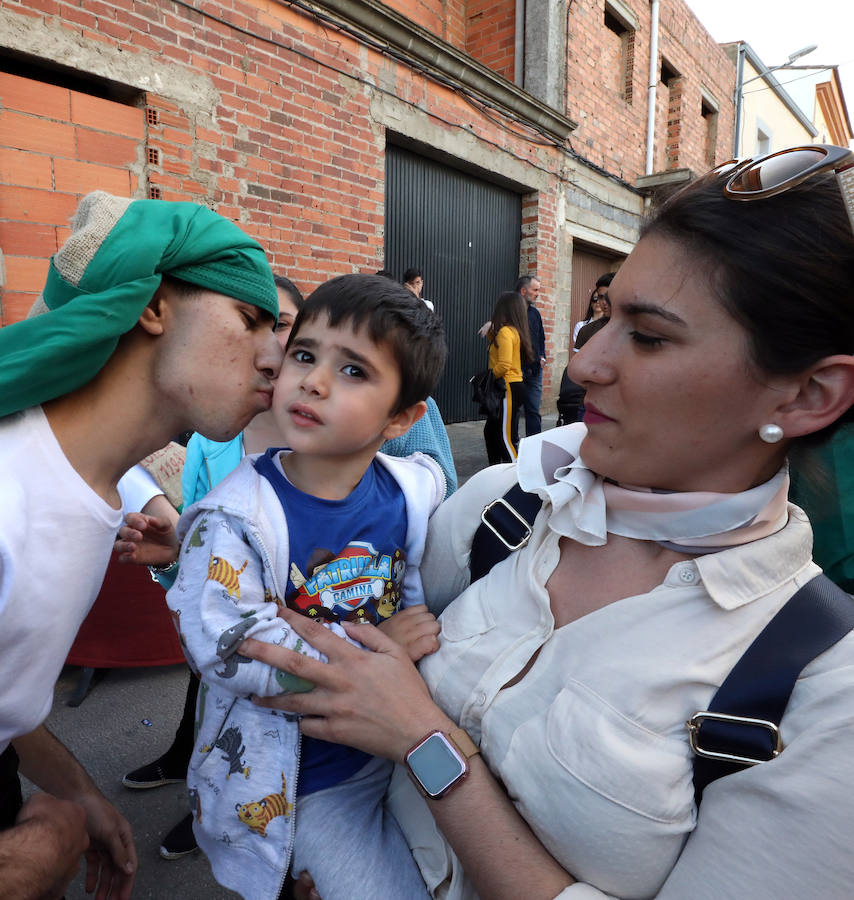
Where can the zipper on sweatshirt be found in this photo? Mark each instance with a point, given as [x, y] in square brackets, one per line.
[289, 846]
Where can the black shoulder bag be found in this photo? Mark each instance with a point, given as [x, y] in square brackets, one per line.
[741, 726]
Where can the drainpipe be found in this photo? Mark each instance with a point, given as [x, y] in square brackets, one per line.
[519, 50]
[738, 99]
[653, 83]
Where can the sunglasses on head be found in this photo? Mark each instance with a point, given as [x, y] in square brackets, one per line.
[754, 179]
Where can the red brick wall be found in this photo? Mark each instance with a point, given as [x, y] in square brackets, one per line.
[491, 35]
[610, 104]
[445, 18]
[290, 148]
[55, 146]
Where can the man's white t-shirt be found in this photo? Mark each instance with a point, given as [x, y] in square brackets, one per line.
[56, 535]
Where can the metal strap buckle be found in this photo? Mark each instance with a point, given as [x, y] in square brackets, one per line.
[693, 725]
[519, 518]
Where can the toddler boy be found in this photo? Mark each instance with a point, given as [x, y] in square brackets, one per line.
[336, 531]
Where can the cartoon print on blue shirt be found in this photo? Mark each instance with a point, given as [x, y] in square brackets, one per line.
[357, 585]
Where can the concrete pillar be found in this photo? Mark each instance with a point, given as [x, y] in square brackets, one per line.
[545, 51]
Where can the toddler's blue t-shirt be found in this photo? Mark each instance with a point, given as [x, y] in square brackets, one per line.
[347, 563]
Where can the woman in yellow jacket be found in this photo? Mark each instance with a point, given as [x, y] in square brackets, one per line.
[509, 349]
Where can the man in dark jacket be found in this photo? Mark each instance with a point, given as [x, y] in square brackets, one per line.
[532, 373]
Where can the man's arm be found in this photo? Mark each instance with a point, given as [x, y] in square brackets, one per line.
[111, 858]
[41, 855]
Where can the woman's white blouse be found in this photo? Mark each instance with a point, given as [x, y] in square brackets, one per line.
[591, 744]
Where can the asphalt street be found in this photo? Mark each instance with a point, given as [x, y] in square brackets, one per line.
[129, 718]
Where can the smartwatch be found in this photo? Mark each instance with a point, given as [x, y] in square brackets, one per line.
[439, 762]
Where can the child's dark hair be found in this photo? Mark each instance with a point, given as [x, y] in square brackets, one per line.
[390, 315]
[511, 309]
[411, 274]
[783, 267]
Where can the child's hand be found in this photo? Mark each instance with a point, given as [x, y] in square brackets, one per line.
[415, 629]
[147, 541]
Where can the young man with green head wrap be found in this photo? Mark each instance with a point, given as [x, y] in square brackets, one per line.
[156, 317]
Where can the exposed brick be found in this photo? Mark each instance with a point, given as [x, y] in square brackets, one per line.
[104, 115]
[26, 95]
[15, 306]
[25, 168]
[109, 149]
[25, 132]
[27, 239]
[33, 205]
[25, 273]
[81, 177]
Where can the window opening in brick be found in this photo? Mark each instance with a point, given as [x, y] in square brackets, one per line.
[668, 73]
[613, 23]
[152, 116]
[618, 25]
[672, 79]
[152, 155]
[35, 68]
[153, 192]
[710, 118]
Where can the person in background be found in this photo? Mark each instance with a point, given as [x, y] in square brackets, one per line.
[141, 304]
[413, 281]
[532, 371]
[587, 331]
[595, 308]
[509, 349]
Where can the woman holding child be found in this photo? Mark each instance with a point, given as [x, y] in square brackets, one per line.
[663, 547]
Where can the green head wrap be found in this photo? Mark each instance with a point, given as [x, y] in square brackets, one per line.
[103, 277]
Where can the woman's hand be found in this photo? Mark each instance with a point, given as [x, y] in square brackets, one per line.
[375, 701]
[147, 541]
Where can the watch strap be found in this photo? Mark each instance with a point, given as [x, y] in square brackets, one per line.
[460, 738]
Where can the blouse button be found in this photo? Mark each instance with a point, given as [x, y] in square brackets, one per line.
[688, 575]
[481, 698]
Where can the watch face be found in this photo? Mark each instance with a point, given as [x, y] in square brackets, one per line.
[435, 764]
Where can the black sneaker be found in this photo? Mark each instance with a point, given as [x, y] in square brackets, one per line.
[180, 841]
[153, 775]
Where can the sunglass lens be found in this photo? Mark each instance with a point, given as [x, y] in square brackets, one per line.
[724, 168]
[776, 170]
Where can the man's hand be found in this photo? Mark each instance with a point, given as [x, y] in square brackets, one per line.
[147, 541]
[111, 858]
[415, 629]
[40, 856]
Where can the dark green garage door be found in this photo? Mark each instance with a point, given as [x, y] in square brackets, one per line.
[464, 233]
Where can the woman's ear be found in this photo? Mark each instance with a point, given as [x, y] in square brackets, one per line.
[402, 421]
[826, 392]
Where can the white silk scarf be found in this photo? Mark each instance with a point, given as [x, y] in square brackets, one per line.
[585, 507]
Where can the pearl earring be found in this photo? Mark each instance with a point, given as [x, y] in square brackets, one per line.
[771, 433]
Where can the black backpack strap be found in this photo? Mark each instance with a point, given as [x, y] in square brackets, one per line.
[505, 526]
[741, 726]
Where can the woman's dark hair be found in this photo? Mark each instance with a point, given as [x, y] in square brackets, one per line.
[511, 309]
[783, 267]
[287, 285]
[602, 281]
